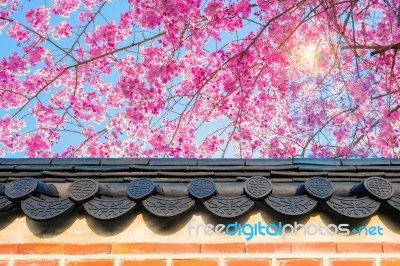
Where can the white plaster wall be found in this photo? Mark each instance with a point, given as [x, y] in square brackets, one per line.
[16, 228]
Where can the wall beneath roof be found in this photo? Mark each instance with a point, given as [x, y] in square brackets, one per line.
[141, 239]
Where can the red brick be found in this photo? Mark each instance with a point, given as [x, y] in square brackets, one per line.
[143, 263]
[299, 262]
[176, 248]
[222, 248]
[90, 263]
[132, 248]
[391, 247]
[314, 247]
[74, 249]
[9, 249]
[195, 262]
[36, 263]
[389, 262]
[3, 263]
[42, 248]
[268, 247]
[359, 247]
[350, 262]
[250, 262]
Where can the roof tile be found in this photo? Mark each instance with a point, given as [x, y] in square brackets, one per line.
[26, 160]
[123, 161]
[368, 161]
[317, 161]
[269, 161]
[221, 162]
[77, 161]
[176, 161]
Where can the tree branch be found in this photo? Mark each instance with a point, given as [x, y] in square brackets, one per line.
[377, 49]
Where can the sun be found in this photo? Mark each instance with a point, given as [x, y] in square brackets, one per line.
[309, 54]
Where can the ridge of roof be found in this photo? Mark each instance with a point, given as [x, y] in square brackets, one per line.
[198, 161]
[107, 188]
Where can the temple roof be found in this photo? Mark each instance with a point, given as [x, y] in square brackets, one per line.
[46, 189]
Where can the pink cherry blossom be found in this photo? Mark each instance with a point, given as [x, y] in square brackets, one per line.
[64, 8]
[38, 18]
[62, 30]
[17, 32]
[193, 78]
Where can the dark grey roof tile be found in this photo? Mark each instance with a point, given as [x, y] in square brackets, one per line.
[299, 179]
[395, 161]
[297, 174]
[188, 174]
[389, 168]
[101, 168]
[7, 167]
[317, 161]
[359, 174]
[77, 161]
[221, 179]
[110, 180]
[270, 167]
[185, 180]
[164, 180]
[26, 160]
[368, 161]
[159, 167]
[330, 168]
[25, 174]
[220, 161]
[49, 167]
[392, 175]
[117, 174]
[280, 179]
[215, 168]
[357, 179]
[5, 174]
[69, 174]
[52, 179]
[98, 179]
[43, 179]
[394, 180]
[124, 161]
[131, 178]
[338, 179]
[269, 161]
[244, 174]
[173, 161]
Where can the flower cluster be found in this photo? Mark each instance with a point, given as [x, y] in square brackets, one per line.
[193, 78]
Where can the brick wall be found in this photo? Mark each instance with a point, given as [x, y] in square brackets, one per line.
[236, 254]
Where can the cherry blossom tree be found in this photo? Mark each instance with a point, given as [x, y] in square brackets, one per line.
[192, 78]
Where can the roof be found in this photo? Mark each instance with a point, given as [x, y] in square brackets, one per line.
[48, 188]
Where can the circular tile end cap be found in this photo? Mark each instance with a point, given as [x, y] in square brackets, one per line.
[21, 189]
[83, 190]
[257, 187]
[202, 189]
[379, 187]
[319, 187]
[140, 189]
